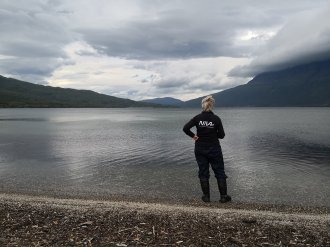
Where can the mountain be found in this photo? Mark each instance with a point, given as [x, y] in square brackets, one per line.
[166, 101]
[16, 93]
[304, 85]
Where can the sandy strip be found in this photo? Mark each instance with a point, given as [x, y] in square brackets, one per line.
[80, 204]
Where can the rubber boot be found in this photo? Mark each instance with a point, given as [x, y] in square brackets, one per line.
[222, 184]
[206, 190]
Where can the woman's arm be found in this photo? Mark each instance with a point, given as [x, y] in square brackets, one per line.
[188, 126]
[220, 130]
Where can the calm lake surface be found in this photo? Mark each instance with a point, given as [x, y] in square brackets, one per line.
[272, 155]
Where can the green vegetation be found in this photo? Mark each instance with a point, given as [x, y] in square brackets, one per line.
[16, 93]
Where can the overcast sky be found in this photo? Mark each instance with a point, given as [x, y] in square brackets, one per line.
[154, 48]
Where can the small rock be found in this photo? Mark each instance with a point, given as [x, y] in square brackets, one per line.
[121, 245]
[234, 240]
[292, 242]
[87, 223]
[249, 220]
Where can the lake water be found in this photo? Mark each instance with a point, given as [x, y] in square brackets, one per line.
[272, 155]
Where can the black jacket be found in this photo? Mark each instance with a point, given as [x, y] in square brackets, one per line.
[209, 128]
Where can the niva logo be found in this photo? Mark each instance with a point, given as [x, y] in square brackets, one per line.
[206, 124]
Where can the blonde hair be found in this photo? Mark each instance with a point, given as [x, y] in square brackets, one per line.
[208, 103]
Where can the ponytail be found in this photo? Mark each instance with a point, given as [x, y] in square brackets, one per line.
[208, 103]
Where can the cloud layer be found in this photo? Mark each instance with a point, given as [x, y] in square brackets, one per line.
[143, 49]
[32, 39]
[304, 38]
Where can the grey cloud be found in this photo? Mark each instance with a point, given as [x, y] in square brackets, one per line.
[172, 83]
[166, 84]
[204, 29]
[306, 38]
[32, 38]
[98, 73]
[87, 53]
[187, 33]
[30, 70]
[156, 46]
[198, 83]
[151, 78]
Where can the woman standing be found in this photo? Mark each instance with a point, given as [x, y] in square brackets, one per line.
[208, 149]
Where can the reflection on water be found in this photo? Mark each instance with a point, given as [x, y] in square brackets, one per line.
[272, 155]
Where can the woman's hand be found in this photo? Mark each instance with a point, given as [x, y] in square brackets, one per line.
[195, 138]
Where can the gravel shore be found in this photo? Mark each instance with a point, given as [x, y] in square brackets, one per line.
[44, 221]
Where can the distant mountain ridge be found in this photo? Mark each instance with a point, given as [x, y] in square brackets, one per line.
[166, 101]
[304, 85]
[16, 93]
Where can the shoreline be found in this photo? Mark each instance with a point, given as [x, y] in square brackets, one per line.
[37, 220]
[263, 206]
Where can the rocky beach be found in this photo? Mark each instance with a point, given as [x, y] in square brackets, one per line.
[28, 220]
